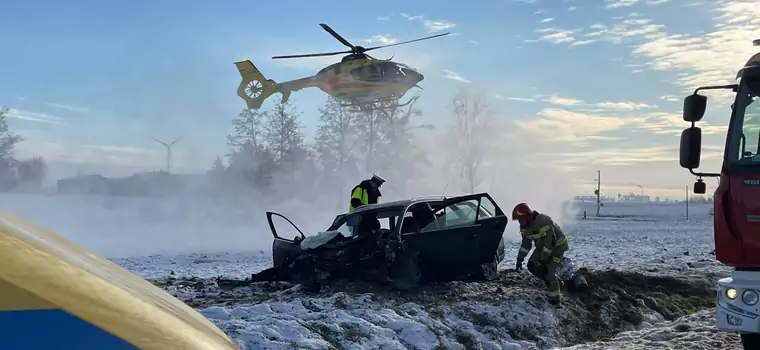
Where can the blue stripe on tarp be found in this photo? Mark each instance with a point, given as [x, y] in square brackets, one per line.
[54, 329]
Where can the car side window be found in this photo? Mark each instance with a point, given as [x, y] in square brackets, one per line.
[454, 215]
[487, 208]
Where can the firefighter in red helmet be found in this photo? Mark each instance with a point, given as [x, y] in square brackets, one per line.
[550, 243]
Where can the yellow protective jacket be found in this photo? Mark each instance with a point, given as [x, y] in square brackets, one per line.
[363, 194]
[546, 235]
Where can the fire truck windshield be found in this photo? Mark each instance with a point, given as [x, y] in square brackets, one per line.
[744, 145]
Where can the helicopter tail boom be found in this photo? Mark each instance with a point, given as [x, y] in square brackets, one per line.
[254, 88]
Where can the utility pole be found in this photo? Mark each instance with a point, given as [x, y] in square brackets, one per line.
[168, 152]
[598, 191]
[687, 202]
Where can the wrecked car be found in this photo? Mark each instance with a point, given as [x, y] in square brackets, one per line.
[404, 242]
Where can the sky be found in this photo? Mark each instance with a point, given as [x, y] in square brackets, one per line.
[598, 84]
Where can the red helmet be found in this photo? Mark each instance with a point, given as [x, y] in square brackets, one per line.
[522, 211]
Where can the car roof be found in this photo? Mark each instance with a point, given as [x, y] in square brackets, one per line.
[399, 204]
[380, 206]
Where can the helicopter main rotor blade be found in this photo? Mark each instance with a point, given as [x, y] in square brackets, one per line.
[406, 42]
[337, 36]
[314, 54]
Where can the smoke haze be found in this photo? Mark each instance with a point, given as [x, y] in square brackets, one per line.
[136, 226]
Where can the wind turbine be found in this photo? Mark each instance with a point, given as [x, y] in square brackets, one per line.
[168, 152]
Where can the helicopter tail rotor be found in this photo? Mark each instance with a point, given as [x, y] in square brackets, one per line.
[254, 88]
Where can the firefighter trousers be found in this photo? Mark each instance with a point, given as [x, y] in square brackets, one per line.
[547, 271]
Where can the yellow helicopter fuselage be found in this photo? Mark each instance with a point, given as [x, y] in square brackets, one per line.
[357, 81]
[362, 81]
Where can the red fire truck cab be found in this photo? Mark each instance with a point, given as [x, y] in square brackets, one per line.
[736, 211]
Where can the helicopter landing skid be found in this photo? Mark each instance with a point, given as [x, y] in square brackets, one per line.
[369, 107]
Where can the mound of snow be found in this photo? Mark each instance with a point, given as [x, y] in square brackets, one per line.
[509, 313]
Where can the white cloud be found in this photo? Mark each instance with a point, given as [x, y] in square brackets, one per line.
[411, 18]
[70, 108]
[628, 3]
[438, 25]
[628, 106]
[547, 20]
[383, 18]
[472, 42]
[539, 12]
[381, 40]
[601, 106]
[556, 36]
[563, 101]
[572, 8]
[670, 98]
[627, 29]
[582, 42]
[454, 76]
[707, 59]
[620, 3]
[673, 124]
[35, 117]
[561, 125]
[520, 99]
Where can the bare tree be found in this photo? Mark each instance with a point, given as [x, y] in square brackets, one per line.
[284, 136]
[470, 136]
[247, 126]
[336, 143]
[32, 172]
[8, 140]
[397, 155]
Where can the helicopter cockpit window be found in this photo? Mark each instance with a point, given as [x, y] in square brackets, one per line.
[390, 70]
[367, 73]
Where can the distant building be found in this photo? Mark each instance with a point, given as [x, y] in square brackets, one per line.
[146, 184]
[86, 184]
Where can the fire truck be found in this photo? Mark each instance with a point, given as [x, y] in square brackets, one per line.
[736, 212]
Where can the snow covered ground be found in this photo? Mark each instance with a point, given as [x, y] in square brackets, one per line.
[154, 239]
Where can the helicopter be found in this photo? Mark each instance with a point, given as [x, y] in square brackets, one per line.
[358, 80]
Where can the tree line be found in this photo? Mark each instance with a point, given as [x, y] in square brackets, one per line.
[270, 157]
[17, 174]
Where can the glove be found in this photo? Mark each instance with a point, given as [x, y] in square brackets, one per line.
[519, 264]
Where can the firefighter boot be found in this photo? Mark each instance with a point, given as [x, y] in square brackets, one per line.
[579, 282]
[553, 290]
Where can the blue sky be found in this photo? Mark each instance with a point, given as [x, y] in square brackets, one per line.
[90, 82]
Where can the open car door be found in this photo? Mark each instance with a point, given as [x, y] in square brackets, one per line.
[492, 223]
[283, 248]
[465, 234]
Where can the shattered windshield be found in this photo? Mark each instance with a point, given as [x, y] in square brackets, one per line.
[746, 143]
[351, 225]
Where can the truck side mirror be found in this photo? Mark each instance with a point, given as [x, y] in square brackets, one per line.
[700, 187]
[691, 147]
[694, 107]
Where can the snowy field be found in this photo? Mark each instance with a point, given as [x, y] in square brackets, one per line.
[154, 239]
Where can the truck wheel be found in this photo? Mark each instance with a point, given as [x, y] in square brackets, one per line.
[750, 341]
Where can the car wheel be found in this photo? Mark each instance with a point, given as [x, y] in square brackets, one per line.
[405, 272]
[488, 271]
